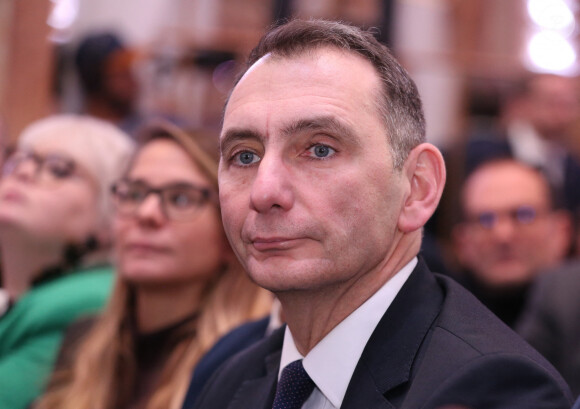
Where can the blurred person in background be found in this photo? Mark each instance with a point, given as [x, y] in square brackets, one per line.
[537, 125]
[178, 289]
[551, 320]
[104, 65]
[5, 149]
[510, 233]
[54, 241]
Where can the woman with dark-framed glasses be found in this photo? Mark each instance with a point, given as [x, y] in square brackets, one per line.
[179, 286]
[54, 242]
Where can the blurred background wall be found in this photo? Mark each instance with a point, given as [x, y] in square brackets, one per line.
[464, 54]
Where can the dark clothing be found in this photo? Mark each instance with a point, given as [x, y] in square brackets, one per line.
[152, 351]
[435, 345]
[551, 321]
[507, 304]
[432, 252]
[229, 345]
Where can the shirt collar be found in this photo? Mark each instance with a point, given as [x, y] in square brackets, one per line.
[529, 146]
[333, 360]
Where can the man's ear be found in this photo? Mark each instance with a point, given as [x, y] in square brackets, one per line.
[425, 173]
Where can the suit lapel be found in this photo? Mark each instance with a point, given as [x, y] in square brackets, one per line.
[380, 378]
[363, 393]
[260, 391]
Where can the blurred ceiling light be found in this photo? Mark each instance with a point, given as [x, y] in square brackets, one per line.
[550, 51]
[63, 14]
[552, 15]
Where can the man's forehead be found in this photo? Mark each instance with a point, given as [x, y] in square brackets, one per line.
[330, 56]
[275, 70]
[306, 53]
[521, 181]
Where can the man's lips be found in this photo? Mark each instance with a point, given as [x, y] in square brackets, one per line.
[273, 243]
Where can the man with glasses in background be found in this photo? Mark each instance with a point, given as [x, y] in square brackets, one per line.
[509, 233]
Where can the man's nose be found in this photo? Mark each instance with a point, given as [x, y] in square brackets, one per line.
[504, 228]
[272, 186]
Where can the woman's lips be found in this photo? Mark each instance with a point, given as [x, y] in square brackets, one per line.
[143, 248]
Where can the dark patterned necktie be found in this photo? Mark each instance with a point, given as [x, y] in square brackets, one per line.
[293, 388]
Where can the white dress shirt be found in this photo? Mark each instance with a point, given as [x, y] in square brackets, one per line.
[333, 360]
[529, 147]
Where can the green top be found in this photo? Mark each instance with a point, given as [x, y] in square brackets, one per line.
[31, 332]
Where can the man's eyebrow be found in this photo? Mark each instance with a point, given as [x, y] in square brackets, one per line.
[233, 135]
[328, 124]
[323, 123]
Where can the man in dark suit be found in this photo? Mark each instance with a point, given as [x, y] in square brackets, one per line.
[507, 212]
[325, 184]
[551, 321]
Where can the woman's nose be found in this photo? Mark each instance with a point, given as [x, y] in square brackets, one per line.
[151, 209]
[26, 170]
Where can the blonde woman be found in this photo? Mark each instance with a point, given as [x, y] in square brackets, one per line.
[54, 242]
[179, 286]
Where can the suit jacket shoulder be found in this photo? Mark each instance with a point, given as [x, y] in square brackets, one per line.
[438, 345]
[482, 363]
[551, 321]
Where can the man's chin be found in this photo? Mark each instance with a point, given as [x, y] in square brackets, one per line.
[279, 281]
[273, 282]
[509, 275]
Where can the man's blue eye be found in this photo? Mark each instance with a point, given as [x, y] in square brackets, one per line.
[525, 214]
[247, 158]
[487, 219]
[322, 151]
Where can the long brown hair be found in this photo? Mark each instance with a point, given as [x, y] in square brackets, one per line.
[103, 369]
